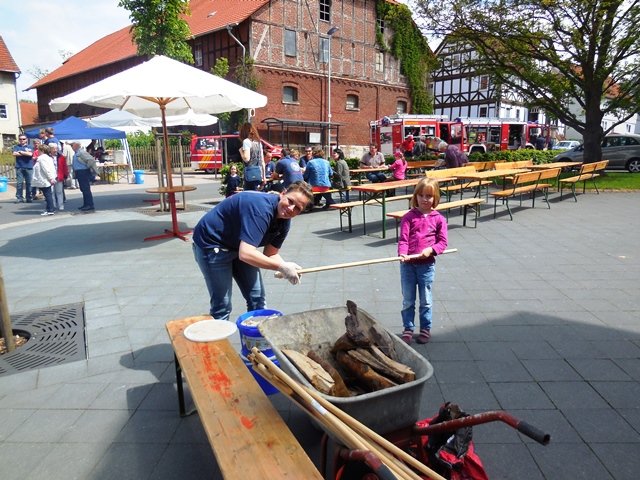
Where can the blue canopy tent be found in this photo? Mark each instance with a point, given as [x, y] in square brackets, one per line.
[74, 128]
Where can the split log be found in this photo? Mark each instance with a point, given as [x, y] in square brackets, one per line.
[367, 358]
[343, 343]
[366, 374]
[408, 374]
[355, 329]
[317, 376]
[339, 388]
[380, 337]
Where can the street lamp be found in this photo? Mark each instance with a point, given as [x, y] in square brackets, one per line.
[331, 31]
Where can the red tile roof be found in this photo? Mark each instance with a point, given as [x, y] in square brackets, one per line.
[118, 46]
[7, 63]
[29, 113]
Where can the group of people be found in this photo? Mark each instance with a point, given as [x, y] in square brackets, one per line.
[46, 166]
[246, 231]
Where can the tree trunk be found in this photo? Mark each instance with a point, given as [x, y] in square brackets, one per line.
[593, 132]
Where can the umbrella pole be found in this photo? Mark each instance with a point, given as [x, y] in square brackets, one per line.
[167, 153]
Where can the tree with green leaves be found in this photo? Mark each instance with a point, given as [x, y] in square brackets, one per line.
[578, 60]
[158, 29]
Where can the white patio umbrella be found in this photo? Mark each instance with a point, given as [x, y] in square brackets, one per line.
[163, 87]
[121, 118]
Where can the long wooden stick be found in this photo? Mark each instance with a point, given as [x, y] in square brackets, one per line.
[359, 263]
[312, 398]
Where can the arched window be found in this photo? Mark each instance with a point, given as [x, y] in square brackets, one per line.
[353, 102]
[401, 107]
[289, 95]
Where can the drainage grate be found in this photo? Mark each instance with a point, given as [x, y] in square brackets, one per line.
[56, 336]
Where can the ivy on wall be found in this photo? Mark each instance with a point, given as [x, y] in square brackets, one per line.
[411, 48]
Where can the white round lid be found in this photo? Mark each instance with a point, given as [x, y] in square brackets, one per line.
[210, 330]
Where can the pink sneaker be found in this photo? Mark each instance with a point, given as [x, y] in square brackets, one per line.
[407, 336]
[425, 335]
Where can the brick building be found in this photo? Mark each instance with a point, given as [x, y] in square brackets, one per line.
[289, 44]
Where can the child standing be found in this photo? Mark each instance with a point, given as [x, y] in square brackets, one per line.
[423, 232]
[232, 181]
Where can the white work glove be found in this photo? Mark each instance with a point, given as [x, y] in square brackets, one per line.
[288, 270]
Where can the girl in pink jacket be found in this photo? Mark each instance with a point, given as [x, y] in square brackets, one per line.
[423, 232]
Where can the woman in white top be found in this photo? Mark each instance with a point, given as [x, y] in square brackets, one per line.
[251, 154]
[44, 176]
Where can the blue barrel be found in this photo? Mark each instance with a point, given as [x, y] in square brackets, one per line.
[3, 184]
[250, 335]
[139, 174]
[267, 388]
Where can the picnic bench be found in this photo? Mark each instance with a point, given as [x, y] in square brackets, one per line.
[346, 208]
[526, 182]
[449, 189]
[465, 205]
[247, 435]
[588, 171]
[340, 191]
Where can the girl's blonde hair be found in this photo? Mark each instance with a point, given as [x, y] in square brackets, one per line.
[426, 186]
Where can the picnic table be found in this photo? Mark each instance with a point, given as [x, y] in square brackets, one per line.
[487, 174]
[359, 171]
[547, 166]
[377, 192]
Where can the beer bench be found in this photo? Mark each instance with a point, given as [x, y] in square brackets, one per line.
[346, 208]
[588, 171]
[465, 205]
[333, 190]
[248, 437]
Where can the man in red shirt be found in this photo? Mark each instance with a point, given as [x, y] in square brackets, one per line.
[407, 146]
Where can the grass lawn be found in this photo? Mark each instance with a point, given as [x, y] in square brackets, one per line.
[611, 181]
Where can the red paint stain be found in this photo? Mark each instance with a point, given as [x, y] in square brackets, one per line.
[248, 422]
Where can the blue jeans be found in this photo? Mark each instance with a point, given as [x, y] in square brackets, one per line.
[84, 178]
[219, 269]
[376, 177]
[48, 198]
[23, 175]
[420, 276]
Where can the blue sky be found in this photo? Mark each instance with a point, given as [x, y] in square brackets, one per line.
[35, 30]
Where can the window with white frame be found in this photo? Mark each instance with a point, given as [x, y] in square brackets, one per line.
[325, 10]
[483, 112]
[401, 107]
[197, 54]
[290, 47]
[323, 50]
[379, 61]
[381, 24]
[353, 102]
[289, 94]
[3, 111]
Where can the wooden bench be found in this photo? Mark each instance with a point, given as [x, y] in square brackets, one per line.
[510, 165]
[465, 205]
[527, 182]
[341, 191]
[346, 208]
[247, 435]
[448, 190]
[588, 171]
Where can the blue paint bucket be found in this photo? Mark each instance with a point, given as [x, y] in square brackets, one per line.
[3, 184]
[250, 336]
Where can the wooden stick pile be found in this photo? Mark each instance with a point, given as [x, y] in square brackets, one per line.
[352, 433]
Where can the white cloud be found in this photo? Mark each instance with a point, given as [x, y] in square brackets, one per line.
[35, 31]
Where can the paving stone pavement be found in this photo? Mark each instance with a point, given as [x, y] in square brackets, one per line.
[539, 316]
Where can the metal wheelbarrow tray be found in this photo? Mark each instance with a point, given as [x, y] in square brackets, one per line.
[382, 411]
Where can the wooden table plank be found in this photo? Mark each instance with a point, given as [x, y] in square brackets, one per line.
[248, 436]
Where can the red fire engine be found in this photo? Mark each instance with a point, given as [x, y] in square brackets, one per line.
[470, 134]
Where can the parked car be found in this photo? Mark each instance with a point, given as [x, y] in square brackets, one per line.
[566, 145]
[622, 151]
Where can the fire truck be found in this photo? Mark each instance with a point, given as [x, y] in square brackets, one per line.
[209, 153]
[482, 134]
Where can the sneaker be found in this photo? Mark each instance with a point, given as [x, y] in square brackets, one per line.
[407, 336]
[44, 214]
[425, 335]
[20, 200]
[61, 209]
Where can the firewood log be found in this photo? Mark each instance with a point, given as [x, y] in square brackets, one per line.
[339, 388]
[365, 373]
[355, 329]
[317, 376]
[380, 337]
[408, 374]
[343, 343]
[365, 357]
